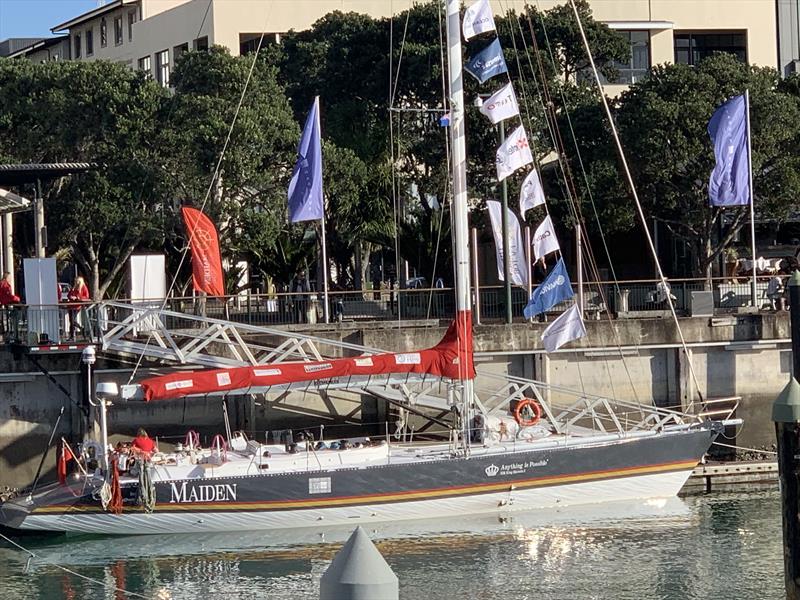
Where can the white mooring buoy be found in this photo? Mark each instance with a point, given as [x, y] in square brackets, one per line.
[359, 572]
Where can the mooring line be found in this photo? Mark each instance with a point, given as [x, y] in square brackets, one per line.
[71, 572]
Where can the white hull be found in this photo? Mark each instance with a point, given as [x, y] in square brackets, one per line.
[660, 485]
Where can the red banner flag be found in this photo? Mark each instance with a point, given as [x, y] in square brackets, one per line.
[204, 242]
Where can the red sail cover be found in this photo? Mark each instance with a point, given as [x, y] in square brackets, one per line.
[204, 242]
[451, 358]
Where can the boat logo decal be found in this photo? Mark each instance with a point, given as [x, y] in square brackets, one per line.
[491, 470]
[220, 492]
[318, 367]
[409, 358]
[223, 378]
[266, 372]
[364, 362]
[179, 385]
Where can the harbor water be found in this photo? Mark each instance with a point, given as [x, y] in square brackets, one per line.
[704, 547]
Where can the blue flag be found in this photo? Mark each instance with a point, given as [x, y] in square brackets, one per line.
[554, 289]
[488, 62]
[305, 188]
[730, 180]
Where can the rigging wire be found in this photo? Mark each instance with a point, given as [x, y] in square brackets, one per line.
[169, 116]
[215, 176]
[75, 573]
[567, 186]
[445, 198]
[639, 208]
[571, 190]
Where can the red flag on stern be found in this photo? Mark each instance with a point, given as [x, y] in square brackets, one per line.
[206, 262]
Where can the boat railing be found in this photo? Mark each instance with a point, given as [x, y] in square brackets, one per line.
[575, 410]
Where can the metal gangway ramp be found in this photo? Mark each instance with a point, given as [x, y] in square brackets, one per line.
[173, 338]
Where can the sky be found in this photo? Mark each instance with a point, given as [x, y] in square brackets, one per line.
[34, 18]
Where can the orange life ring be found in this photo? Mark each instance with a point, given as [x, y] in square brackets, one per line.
[534, 406]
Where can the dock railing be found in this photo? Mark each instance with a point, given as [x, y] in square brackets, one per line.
[631, 299]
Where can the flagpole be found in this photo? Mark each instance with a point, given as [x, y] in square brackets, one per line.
[528, 264]
[506, 244]
[752, 201]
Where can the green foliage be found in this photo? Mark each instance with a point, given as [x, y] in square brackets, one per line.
[94, 112]
[663, 124]
[162, 149]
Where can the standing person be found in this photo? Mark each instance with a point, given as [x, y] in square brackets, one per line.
[78, 293]
[775, 292]
[7, 297]
[300, 291]
[143, 444]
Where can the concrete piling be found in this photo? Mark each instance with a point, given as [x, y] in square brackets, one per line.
[359, 572]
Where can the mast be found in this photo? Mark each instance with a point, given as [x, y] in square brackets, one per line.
[459, 208]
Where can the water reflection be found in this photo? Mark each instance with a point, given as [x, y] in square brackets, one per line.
[707, 547]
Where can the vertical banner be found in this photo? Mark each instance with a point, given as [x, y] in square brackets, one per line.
[204, 243]
[729, 184]
[517, 262]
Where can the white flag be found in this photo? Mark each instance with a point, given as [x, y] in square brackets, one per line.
[567, 327]
[501, 105]
[513, 154]
[544, 239]
[478, 18]
[531, 194]
[517, 259]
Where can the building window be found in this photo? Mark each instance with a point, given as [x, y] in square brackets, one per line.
[117, 31]
[131, 21]
[103, 33]
[144, 66]
[638, 64]
[200, 44]
[77, 45]
[178, 50]
[691, 48]
[162, 68]
[89, 42]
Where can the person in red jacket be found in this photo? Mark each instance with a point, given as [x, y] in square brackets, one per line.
[6, 291]
[7, 297]
[78, 293]
[143, 444]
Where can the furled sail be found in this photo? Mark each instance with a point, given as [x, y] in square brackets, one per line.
[451, 358]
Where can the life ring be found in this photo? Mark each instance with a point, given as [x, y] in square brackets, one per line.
[534, 406]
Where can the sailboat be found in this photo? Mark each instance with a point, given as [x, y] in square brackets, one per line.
[507, 451]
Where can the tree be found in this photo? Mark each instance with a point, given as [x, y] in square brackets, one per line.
[663, 124]
[95, 112]
[358, 65]
[247, 199]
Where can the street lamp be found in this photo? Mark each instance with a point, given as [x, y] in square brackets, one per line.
[478, 103]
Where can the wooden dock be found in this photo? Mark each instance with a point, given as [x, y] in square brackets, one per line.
[731, 476]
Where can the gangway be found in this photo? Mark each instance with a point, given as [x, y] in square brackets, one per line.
[171, 337]
[178, 338]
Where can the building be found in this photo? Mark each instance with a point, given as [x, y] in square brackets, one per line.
[54, 48]
[151, 34]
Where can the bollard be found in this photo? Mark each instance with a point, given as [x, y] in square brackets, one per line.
[359, 572]
[786, 416]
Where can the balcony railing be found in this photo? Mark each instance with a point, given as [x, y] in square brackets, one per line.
[638, 298]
